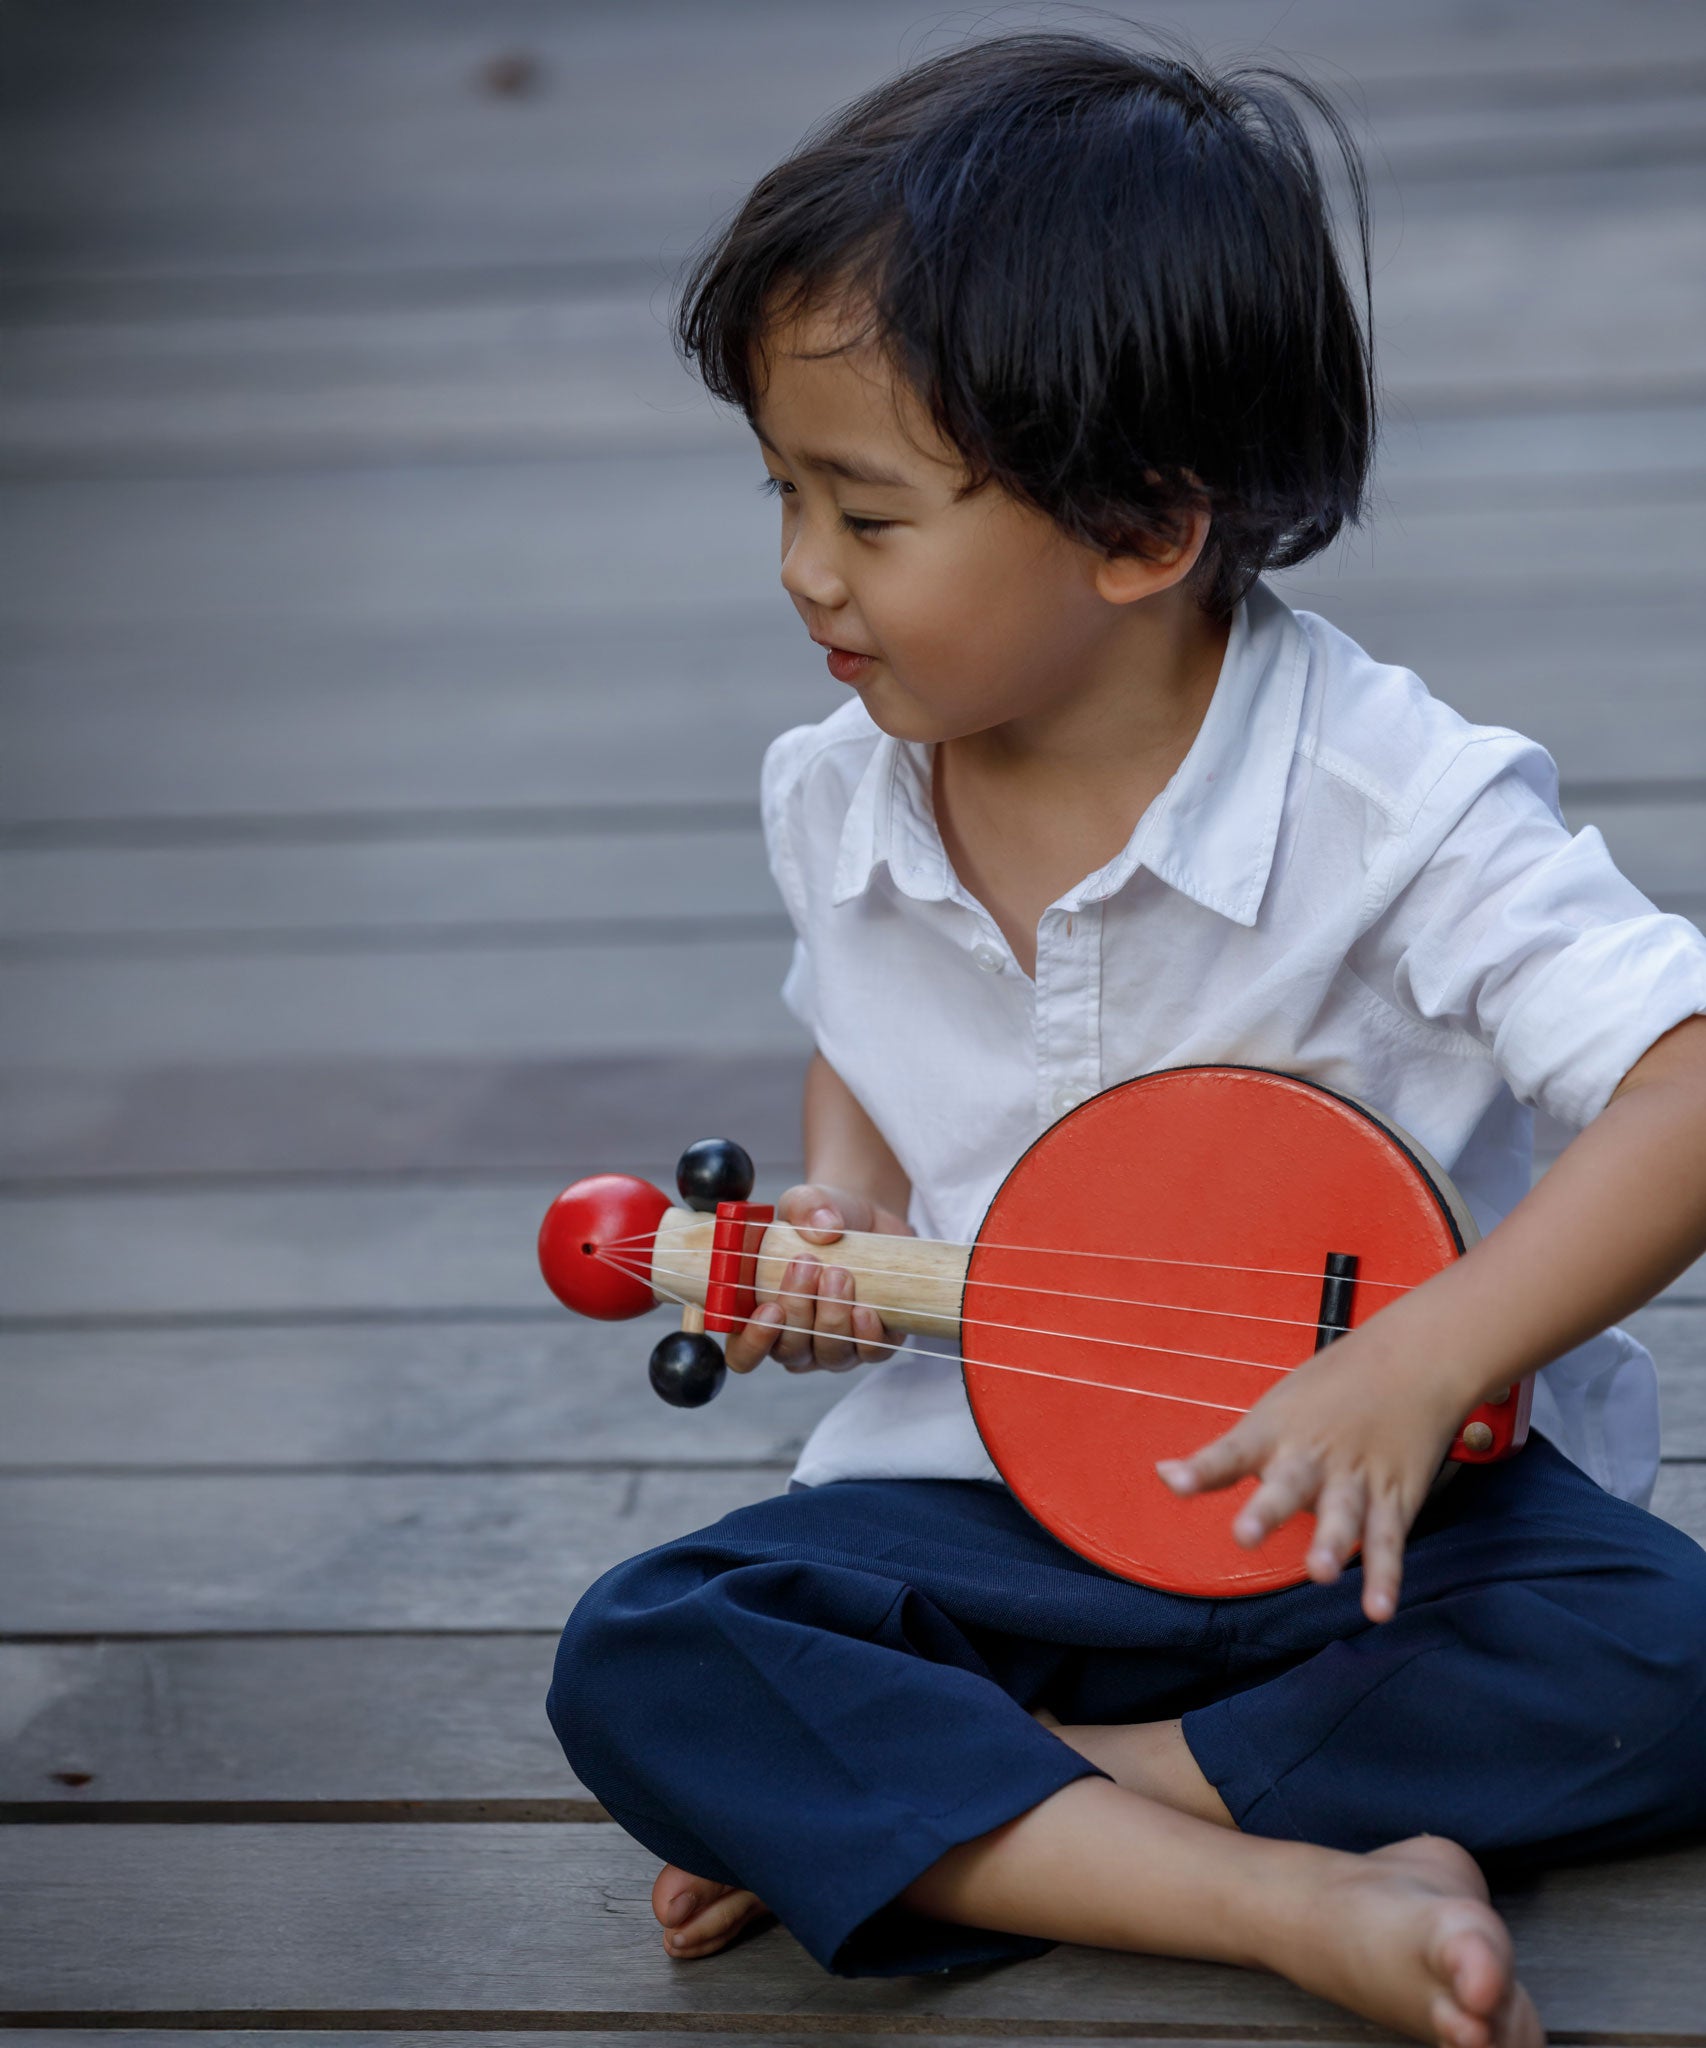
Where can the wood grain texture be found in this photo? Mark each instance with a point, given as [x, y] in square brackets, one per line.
[297, 1722]
[538, 1920]
[297, 896]
[366, 1117]
[543, 544]
[323, 1552]
[250, 155]
[452, 1396]
[471, 1394]
[696, 991]
[460, 893]
[775, 2033]
[233, 733]
[335, 1552]
[417, 1247]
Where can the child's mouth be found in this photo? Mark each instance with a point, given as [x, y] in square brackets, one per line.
[847, 667]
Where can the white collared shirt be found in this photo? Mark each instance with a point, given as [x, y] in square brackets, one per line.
[1344, 880]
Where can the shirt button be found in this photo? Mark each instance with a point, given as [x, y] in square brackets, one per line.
[987, 958]
[1065, 1099]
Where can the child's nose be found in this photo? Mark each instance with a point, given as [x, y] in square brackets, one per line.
[808, 574]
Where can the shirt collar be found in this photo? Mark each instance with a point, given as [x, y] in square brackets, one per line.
[1211, 832]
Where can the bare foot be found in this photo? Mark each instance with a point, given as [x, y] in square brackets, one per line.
[1406, 1936]
[715, 1915]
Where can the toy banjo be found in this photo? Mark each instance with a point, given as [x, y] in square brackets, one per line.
[1149, 1268]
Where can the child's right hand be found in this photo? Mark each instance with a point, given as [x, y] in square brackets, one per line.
[818, 1325]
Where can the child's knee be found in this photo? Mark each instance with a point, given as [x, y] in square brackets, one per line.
[593, 1692]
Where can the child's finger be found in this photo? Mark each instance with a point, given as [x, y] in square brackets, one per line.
[874, 1342]
[1289, 1482]
[832, 1337]
[814, 1212]
[797, 1297]
[1339, 1515]
[1233, 1456]
[750, 1345]
[1382, 1558]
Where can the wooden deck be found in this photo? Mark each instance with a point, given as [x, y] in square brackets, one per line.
[390, 638]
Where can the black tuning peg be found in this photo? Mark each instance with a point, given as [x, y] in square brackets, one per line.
[715, 1170]
[687, 1368]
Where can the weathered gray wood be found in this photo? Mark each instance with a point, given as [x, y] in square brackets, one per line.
[1680, 1497]
[293, 1722]
[371, 893]
[487, 1394]
[252, 156]
[571, 1392]
[456, 892]
[699, 991]
[352, 550]
[414, 1246]
[494, 1921]
[327, 1552]
[1469, 314]
[213, 726]
[372, 1116]
[202, 725]
[1676, 1337]
[330, 1552]
[773, 2035]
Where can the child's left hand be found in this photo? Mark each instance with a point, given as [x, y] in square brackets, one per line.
[1358, 1433]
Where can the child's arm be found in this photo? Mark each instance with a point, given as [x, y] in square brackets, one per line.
[854, 1182]
[1358, 1432]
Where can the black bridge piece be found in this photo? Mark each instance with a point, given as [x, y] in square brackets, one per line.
[1338, 1288]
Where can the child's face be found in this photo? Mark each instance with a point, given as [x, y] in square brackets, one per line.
[948, 614]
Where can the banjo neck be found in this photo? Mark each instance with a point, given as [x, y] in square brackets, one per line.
[916, 1283]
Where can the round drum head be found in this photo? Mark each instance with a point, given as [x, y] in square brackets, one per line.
[1149, 1269]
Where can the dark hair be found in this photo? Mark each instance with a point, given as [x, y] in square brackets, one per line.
[1109, 276]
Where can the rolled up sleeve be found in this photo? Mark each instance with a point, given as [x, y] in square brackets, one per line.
[1531, 941]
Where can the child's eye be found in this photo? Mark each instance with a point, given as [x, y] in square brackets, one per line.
[775, 486]
[852, 523]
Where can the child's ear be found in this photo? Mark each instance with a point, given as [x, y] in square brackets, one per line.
[1123, 579]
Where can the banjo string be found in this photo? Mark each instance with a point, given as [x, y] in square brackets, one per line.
[640, 1238]
[1180, 1308]
[1037, 1373]
[1020, 1329]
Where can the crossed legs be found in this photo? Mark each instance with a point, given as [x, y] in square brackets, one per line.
[1152, 1861]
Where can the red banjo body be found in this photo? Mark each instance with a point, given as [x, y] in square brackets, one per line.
[1151, 1267]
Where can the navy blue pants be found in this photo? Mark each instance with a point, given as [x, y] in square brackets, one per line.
[820, 1694]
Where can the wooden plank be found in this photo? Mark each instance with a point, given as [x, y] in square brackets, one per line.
[284, 1252]
[697, 991]
[301, 723]
[1676, 1336]
[212, 729]
[301, 1727]
[325, 1553]
[562, 889]
[1472, 313]
[774, 2035]
[547, 542]
[257, 154]
[387, 1114]
[468, 1394]
[377, 891]
[568, 1393]
[475, 1924]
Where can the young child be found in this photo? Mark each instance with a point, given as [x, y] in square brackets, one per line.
[1049, 355]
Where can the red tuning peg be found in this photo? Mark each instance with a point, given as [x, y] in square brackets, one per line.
[595, 1245]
